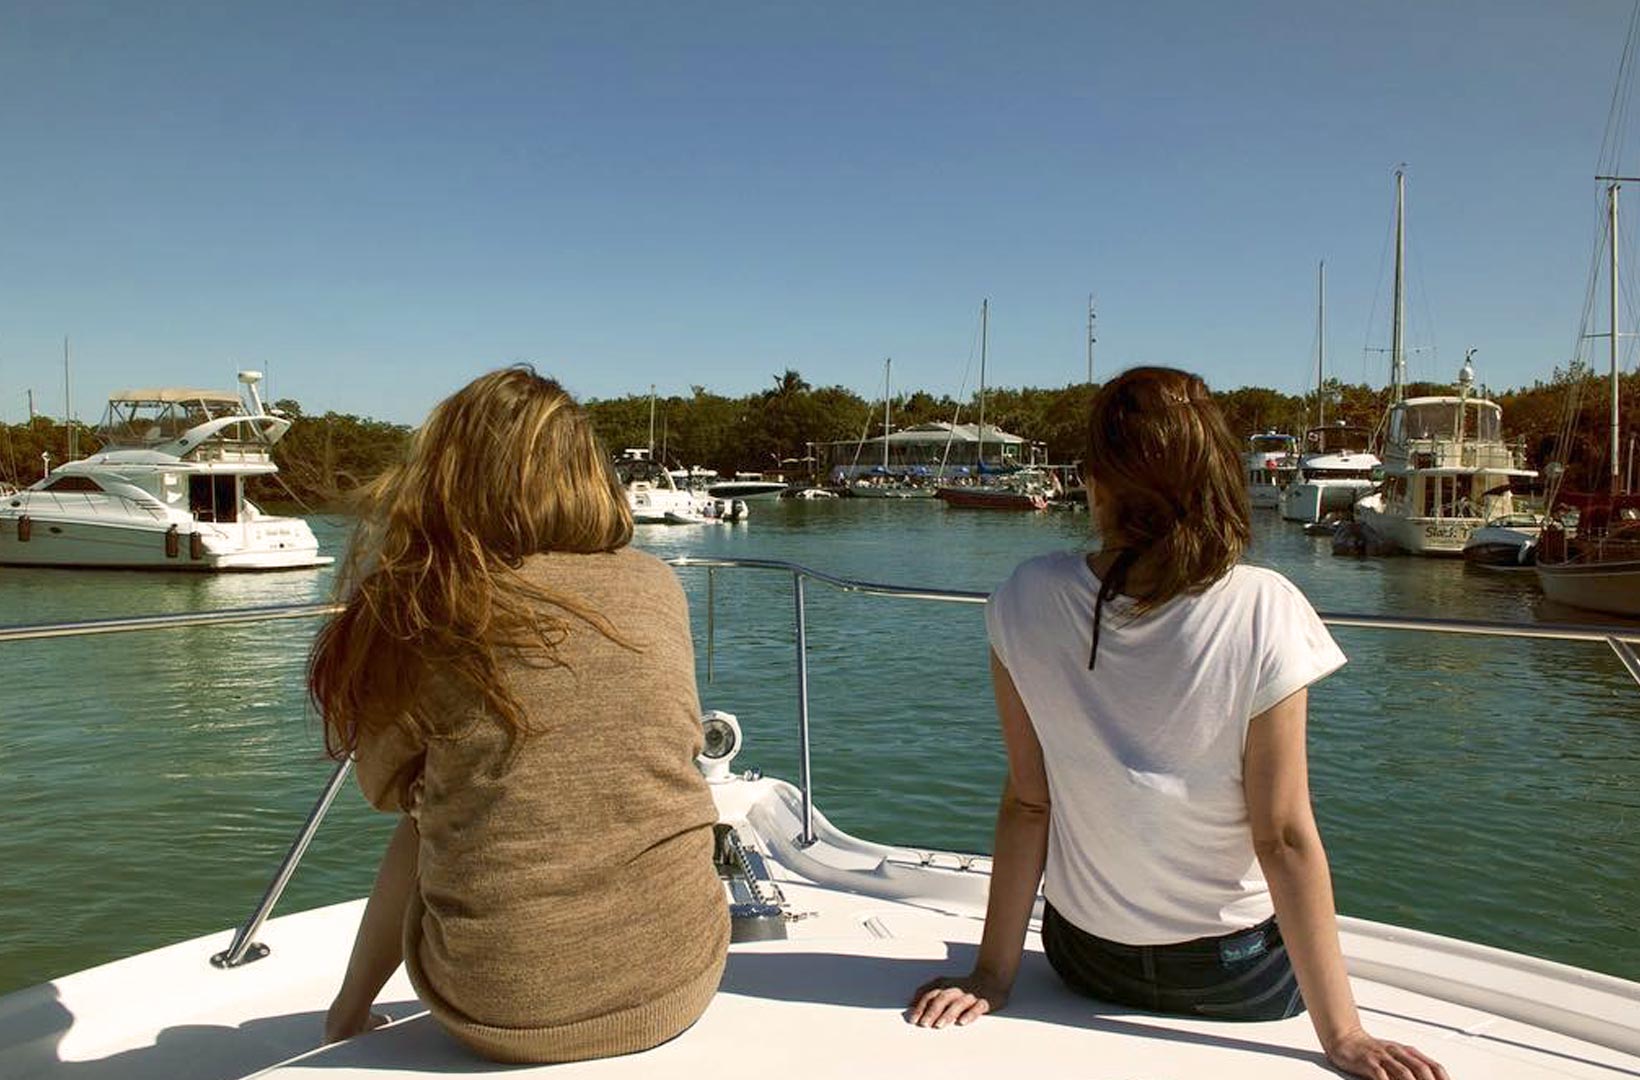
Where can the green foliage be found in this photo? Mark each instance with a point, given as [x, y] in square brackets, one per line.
[325, 457]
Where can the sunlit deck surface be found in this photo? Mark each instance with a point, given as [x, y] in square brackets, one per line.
[871, 923]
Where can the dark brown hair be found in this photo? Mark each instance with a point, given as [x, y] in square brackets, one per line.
[1167, 472]
[506, 467]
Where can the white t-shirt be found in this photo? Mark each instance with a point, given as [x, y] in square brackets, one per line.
[1149, 841]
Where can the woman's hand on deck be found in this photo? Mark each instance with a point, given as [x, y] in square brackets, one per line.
[956, 1000]
[344, 1021]
[1359, 1054]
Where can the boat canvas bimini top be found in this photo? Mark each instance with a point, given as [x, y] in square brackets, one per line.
[831, 935]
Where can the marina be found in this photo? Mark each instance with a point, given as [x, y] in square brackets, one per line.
[345, 737]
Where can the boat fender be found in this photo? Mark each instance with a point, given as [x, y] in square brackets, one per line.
[196, 546]
[25, 529]
[173, 543]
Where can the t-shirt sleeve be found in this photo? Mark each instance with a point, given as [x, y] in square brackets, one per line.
[999, 614]
[1295, 648]
[386, 762]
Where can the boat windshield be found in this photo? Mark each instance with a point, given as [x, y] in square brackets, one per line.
[1336, 440]
[632, 471]
[149, 420]
[1482, 421]
[1271, 444]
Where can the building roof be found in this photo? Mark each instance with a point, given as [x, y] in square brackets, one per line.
[939, 433]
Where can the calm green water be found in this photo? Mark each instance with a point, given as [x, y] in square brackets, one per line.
[1482, 788]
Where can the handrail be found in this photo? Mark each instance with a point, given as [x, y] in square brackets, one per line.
[242, 950]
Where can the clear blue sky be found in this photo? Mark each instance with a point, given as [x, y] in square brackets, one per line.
[376, 201]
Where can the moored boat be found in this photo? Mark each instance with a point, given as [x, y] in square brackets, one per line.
[1270, 461]
[1446, 468]
[655, 499]
[1334, 471]
[166, 491]
[1505, 543]
[1594, 561]
[1021, 494]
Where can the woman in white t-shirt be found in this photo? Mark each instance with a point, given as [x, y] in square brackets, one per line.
[1152, 698]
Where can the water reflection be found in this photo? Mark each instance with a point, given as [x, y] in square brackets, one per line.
[1481, 787]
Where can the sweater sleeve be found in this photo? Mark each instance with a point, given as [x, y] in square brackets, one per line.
[387, 762]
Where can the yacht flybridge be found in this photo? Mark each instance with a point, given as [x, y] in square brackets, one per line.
[166, 491]
[831, 934]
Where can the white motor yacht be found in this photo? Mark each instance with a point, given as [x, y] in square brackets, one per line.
[656, 499]
[1270, 461]
[831, 933]
[1334, 471]
[166, 491]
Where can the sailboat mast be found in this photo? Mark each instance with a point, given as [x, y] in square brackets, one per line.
[984, 337]
[1611, 216]
[888, 367]
[68, 406]
[1397, 355]
[1321, 345]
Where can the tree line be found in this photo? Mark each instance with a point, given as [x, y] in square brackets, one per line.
[325, 456]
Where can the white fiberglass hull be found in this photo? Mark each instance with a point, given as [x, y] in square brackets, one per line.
[1611, 587]
[1264, 496]
[264, 544]
[1444, 537]
[823, 998]
[1311, 500]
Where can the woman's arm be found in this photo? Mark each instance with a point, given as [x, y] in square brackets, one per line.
[1276, 777]
[378, 949]
[1020, 852]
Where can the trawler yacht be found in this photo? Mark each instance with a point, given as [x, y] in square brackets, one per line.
[166, 492]
[1333, 472]
[1447, 472]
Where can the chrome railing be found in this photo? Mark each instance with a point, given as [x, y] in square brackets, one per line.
[243, 949]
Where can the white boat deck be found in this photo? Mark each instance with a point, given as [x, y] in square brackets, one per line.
[871, 924]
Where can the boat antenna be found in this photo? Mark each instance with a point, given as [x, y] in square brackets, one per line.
[1092, 318]
[651, 421]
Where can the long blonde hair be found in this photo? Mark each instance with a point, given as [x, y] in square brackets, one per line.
[506, 467]
[1167, 470]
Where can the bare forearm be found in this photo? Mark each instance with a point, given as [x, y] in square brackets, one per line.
[378, 949]
[1301, 887]
[1021, 850]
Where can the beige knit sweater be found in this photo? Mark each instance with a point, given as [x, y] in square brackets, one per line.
[567, 905]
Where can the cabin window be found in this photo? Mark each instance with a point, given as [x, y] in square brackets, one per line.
[213, 498]
[73, 483]
[1432, 491]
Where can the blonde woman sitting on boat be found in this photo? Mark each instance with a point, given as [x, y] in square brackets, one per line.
[518, 684]
[1152, 699]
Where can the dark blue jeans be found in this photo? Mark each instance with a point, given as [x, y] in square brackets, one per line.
[1241, 976]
